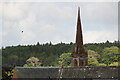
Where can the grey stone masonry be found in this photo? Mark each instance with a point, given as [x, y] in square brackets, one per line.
[107, 72]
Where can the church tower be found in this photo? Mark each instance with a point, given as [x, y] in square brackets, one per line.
[79, 54]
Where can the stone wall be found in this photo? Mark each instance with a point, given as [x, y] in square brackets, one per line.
[91, 72]
[68, 73]
[35, 72]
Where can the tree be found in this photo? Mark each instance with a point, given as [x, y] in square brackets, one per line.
[115, 64]
[44, 52]
[50, 43]
[102, 64]
[32, 62]
[64, 59]
[92, 58]
[38, 43]
[7, 72]
[107, 41]
[13, 58]
[110, 55]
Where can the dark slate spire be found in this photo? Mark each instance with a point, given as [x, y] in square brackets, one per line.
[79, 51]
[79, 38]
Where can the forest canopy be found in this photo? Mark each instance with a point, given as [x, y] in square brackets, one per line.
[49, 53]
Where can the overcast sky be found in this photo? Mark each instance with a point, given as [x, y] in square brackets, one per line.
[56, 22]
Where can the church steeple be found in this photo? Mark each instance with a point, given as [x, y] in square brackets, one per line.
[79, 38]
[79, 51]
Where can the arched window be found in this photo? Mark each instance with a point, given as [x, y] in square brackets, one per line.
[75, 62]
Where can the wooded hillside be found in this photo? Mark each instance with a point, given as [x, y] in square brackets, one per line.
[47, 51]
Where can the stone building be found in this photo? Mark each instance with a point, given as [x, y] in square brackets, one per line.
[79, 53]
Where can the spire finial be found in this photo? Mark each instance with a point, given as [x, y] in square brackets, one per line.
[78, 13]
[79, 8]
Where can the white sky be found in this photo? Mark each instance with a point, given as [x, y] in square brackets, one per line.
[56, 21]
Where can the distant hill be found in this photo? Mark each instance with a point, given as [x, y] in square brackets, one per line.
[47, 51]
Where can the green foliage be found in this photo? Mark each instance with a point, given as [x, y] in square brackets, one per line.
[108, 55]
[115, 64]
[102, 64]
[48, 51]
[7, 72]
[32, 62]
[65, 59]
[92, 59]
[98, 47]
[44, 52]
[13, 58]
